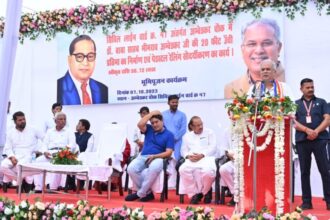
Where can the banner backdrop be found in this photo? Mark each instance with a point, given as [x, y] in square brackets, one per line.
[40, 63]
[144, 64]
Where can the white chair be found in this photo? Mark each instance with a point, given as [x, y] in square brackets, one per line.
[109, 151]
[112, 143]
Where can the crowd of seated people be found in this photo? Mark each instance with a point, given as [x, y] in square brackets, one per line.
[23, 143]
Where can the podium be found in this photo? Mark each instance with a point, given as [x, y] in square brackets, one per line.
[274, 167]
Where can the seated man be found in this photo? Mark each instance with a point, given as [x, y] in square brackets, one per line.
[84, 139]
[227, 169]
[21, 143]
[85, 142]
[197, 173]
[56, 139]
[138, 138]
[158, 144]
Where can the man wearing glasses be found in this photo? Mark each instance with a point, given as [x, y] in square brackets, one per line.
[76, 87]
[260, 41]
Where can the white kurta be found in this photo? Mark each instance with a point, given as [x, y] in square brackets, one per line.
[137, 136]
[50, 124]
[59, 139]
[53, 141]
[21, 145]
[197, 177]
[227, 169]
[90, 144]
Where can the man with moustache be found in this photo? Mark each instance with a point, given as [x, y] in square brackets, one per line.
[21, 144]
[260, 41]
[197, 173]
[56, 138]
[312, 120]
[176, 122]
[268, 84]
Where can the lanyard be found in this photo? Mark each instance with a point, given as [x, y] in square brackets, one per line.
[308, 109]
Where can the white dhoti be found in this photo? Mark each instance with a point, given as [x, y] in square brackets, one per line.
[10, 171]
[227, 175]
[54, 180]
[197, 177]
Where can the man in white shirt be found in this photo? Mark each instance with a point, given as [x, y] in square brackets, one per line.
[50, 122]
[227, 170]
[197, 173]
[56, 139]
[269, 85]
[138, 137]
[21, 143]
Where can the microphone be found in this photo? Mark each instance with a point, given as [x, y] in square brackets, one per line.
[258, 90]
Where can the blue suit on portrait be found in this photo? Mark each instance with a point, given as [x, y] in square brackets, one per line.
[67, 93]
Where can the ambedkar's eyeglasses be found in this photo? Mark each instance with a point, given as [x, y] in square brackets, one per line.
[80, 57]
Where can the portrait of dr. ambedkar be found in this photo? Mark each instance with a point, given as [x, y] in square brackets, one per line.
[77, 87]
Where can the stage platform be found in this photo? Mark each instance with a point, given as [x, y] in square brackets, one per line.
[117, 201]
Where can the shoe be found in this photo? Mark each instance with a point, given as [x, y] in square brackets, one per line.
[328, 206]
[228, 193]
[208, 197]
[25, 187]
[131, 197]
[114, 187]
[231, 203]
[5, 187]
[148, 197]
[48, 191]
[306, 206]
[196, 198]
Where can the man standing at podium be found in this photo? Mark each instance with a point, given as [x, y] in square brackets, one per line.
[269, 85]
[312, 120]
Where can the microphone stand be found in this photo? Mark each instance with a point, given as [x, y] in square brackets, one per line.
[254, 141]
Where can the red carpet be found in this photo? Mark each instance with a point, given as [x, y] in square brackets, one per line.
[116, 201]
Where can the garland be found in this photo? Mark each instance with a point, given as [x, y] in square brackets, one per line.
[264, 129]
[279, 165]
[126, 13]
[238, 145]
